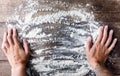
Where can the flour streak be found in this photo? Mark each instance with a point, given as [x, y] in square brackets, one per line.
[57, 32]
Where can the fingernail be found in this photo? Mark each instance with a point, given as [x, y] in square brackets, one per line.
[111, 31]
[101, 26]
[116, 39]
[89, 38]
[6, 33]
[106, 26]
[14, 29]
[25, 40]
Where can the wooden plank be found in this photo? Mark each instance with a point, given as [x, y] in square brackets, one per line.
[4, 68]
[106, 12]
[108, 16]
[2, 29]
[7, 8]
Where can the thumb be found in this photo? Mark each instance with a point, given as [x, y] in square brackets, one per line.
[88, 44]
[26, 46]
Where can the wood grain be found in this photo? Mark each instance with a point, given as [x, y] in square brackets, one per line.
[4, 68]
[107, 11]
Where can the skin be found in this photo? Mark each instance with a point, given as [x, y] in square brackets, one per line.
[96, 53]
[17, 56]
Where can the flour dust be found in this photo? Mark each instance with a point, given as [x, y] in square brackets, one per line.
[57, 31]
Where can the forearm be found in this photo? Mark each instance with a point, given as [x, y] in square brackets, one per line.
[18, 71]
[101, 70]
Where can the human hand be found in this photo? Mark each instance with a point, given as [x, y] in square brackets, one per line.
[98, 52]
[16, 54]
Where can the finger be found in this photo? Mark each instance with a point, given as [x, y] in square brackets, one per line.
[26, 46]
[5, 41]
[5, 44]
[88, 44]
[99, 38]
[15, 36]
[4, 50]
[112, 45]
[109, 38]
[9, 37]
[104, 35]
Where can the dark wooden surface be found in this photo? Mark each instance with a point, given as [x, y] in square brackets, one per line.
[107, 11]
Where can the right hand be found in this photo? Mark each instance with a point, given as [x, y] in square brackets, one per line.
[98, 52]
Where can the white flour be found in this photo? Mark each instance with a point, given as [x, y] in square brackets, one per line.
[57, 32]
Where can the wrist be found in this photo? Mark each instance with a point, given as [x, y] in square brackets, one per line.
[18, 71]
[101, 70]
[17, 68]
[94, 64]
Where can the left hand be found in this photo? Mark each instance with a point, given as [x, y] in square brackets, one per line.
[16, 54]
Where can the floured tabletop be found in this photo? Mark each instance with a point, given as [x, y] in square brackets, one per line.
[57, 31]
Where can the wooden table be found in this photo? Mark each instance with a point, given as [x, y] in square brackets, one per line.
[6, 9]
[107, 11]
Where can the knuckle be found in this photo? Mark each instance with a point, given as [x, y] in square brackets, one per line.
[28, 53]
[5, 42]
[106, 46]
[9, 37]
[3, 47]
[14, 36]
[17, 46]
[110, 37]
[97, 44]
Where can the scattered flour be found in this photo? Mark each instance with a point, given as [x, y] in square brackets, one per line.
[56, 35]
